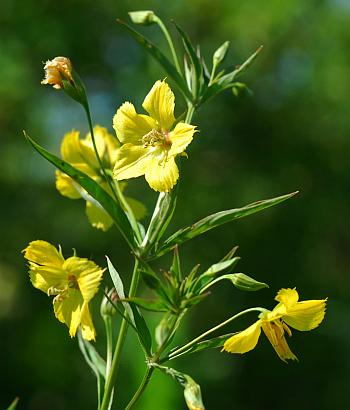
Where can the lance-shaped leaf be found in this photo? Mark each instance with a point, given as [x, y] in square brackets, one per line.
[132, 310]
[205, 278]
[240, 281]
[217, 219]
[154, 305]
[92, 357]
[93, 188]
[161, 217]
[160, 57]
[13, 405]
[195, 60]
[226, 81]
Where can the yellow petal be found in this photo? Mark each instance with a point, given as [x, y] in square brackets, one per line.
[47, 277]
[160, 104]
[244, 341]
[43, 253]
[66, 186]
[130, 126]
[98, 217]
[70, 148]
[161, 174]
[87, 274]
[274, 331]
[306, 315]
[87, 327]
[181, 137]
[67, 309]
[288, 297]
[132, 161]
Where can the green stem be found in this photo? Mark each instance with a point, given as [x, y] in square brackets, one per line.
[109, 340]
[146, 379]
[165, 31]
[190, 112]
[213, 329]
[120, 343]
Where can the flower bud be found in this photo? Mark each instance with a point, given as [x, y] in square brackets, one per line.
[143, 17]
[107, 308]
[245, 282]
[193, 395]
[220, 53]
[57, 69]
[241, 90]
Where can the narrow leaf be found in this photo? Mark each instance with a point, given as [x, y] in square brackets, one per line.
[13, 405]
[93, 188]
[159, 56]
[220, 218]
[153, 305]
[132, 310]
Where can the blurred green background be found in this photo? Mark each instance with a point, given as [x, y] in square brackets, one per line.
[293, 134]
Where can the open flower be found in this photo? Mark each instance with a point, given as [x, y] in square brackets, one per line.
[305, 315]
[55, 70]
[80, 154]
[150, 143]
[73, 282]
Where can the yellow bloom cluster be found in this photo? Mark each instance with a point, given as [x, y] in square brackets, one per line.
[80, 154]
[73, 282]
[305, 315]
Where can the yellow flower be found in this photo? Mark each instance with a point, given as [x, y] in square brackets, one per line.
[305, 315]
[150, 143]
[56, 69]
[81, 155]
[73, 281]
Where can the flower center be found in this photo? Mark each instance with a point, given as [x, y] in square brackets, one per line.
[156, 138]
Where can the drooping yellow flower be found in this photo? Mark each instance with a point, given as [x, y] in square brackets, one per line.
[73, 282]
[55, 70]
[305, 315]
[80, 154]
[150, 143]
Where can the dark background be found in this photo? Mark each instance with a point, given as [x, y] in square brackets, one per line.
[293, 134]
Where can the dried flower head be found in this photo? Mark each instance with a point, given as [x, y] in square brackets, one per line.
[55, 70]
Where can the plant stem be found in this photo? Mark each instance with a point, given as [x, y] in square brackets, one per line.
[213, 329]
[170, 42]
[146, 379]
[120, 343]
[109, 339]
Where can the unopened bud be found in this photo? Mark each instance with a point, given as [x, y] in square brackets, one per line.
[193, 395]
[245, 282]
[57, 69]
[107, 306]
[143, 17]
[220, 53]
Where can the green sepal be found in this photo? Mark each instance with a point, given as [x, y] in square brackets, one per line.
[160, 57]
[217, 219]
[154, 305]
[133, 312]
[243, 282]
[93, 188]
[13, 405]
[75, 89]
[220, 54]
[194, 300]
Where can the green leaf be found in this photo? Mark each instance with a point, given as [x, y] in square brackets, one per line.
[220, 218]
[205, 278]
[175, 268]
[92, 357]
[196, 62]
[154, 305]
[160, 57]
[132, 310]
[93, 188]
[161, 217]
[13, 405]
